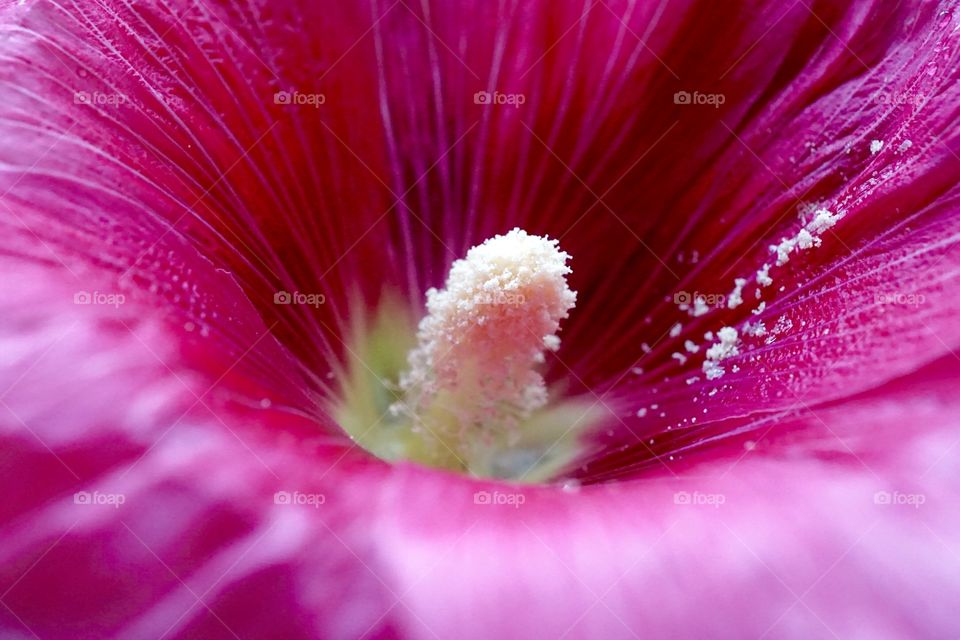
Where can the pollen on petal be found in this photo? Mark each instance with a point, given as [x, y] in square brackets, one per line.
[807, 237]
[724, 348]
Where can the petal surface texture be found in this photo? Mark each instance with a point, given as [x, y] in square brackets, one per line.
[762, 205]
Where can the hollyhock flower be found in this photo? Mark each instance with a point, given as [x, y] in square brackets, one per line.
[694, 266]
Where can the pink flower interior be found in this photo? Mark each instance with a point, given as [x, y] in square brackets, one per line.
[198, 158]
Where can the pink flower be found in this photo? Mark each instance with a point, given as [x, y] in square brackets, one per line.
[204, 202]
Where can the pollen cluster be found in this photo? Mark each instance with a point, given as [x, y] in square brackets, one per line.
[483, 336]
[464, 390]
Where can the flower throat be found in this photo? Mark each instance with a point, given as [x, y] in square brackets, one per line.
[465, 390]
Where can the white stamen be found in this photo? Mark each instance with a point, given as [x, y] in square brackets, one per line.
[486, 331]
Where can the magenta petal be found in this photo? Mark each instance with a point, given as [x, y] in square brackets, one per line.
[135, 155]
[785, 545]
[416, 553]
[412, 552]
[147, 154]
[135, 485]
[863, 320]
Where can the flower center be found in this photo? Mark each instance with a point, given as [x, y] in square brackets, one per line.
[471, 395]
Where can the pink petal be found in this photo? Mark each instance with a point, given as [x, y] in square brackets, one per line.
[795, 544]
[200, 197]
